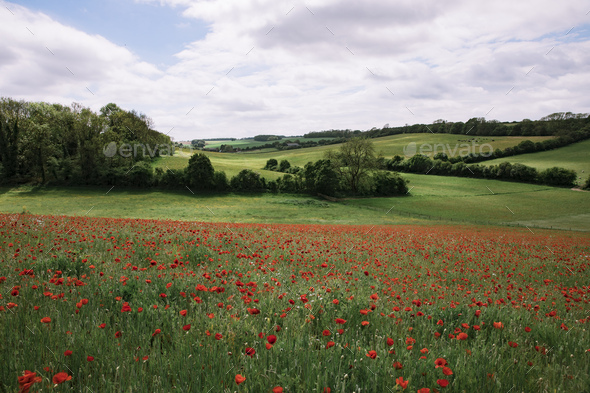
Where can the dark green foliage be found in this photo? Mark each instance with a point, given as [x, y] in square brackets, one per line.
[247, 180]
[389, 184]
[284, 165]
[200, 173]
[271, 164]
[558, 177]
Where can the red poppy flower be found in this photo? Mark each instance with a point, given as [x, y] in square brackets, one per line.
[61, 377]
[335, 301]
[67, 353]
[365, 323]
[118, 334]
[327, 390]
[389, 342]
[340, 321]
[268, 346]
[271, 339]
[440, 362]
[442, 383]
[447, 370]
[462, 336]
[330, 344]
[183, 313]
[240, 379]
[498, 325]
[527, 329]
[27, 380]
[45, 320]
[90, 358]
[277, 389]
[397, 365]
[424, 390]
[326, 332]
[253, 311]
[157, 331]
[250, 351]
[372, 354]
[186, 328]
[400, 381]
[218, 336]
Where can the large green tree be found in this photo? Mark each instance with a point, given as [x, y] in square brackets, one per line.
[200, 172]
[354, 162]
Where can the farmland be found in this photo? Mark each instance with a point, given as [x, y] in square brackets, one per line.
[574, 157]
[388, 146]
[144, 305]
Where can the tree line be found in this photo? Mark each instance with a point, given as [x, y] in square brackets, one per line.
[72, 145]
[554, 124]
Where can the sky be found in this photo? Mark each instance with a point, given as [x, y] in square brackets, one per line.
[239, 68]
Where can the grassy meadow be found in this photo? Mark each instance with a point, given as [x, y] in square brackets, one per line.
[432, 199]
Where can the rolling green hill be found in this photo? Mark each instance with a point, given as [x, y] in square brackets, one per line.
[389, 146]
[575, 157]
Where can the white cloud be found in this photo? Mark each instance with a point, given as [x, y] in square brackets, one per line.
[289, 68]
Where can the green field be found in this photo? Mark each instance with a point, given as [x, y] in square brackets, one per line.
[575, 157]
[243, 143]
[434, 199]
[388, 146]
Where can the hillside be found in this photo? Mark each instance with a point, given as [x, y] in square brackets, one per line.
[388, 146]
[575, 157]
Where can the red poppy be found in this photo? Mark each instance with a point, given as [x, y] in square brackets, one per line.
[27, 380]
[400, 381]
[365, 323]
[45, 320]
[186, 328]
[250, 351]
[271, 339]
[67, 353]
[327, 390]
[240, 379]
[498, 325]
[326, 332]
[277, 389]
[389, 342]
[424, 390]
[330, 344]
[512, 344]
[218, 336]
[90, 358]
[447, 371]
[462, 336]
[440, 362]
[397, 365]
[61, 377]
[527, 329]
[118, 334]
[340, 321]
[183, 313]
[157, 331]
[268, 346]
[253, 311]
[372, 354]
[442, 383]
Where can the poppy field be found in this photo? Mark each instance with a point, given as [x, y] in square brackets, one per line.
[113, 305]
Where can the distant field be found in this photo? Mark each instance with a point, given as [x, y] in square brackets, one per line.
[575, 157]
[389, 146]
[243, 143]
[434, 199]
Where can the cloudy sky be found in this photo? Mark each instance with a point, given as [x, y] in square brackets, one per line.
[217, 68]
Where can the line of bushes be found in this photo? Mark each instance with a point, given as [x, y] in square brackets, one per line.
[558, 177]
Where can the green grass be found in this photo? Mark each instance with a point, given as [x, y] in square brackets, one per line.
[389, 146]
[489, 202]
[575, 157]
[434, 199]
